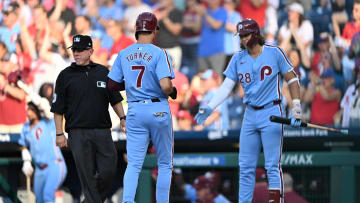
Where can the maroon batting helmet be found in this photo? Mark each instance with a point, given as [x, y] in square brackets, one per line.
[249, 26]
[146, 21]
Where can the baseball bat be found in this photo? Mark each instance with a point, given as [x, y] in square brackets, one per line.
[287, 121]
[30, 194]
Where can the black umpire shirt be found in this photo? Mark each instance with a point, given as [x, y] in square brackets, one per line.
[81, 94]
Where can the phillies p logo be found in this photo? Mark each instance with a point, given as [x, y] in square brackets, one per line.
[265, 71]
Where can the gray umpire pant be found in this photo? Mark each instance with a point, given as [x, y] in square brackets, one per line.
[95, 159]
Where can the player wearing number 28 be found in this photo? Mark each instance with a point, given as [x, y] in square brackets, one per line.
[146, 71]
[260, 70]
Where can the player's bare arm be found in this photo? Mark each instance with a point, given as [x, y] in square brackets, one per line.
[60, 137]
[168, 88]
[119, 110]
[293, 83]
[294, 87]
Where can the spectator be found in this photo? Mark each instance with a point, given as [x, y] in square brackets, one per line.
[206, 191]
[51, 62]
[181, 83]
[231, 41]
[211, 47]
[297, 32]
[324, 98]
[350, 106]
[83, 25]
[354, 26]
[321, 19]
[61, 11]
[306, 4]
[47, 91]
[185, 120]
[170, 23]
[327, 48]
[11, 28]
[219, 119]
[194, 95]
[12, 99]
[271, 23]
[354, 53]
[254, 9]
[4, 53]
[121, 41]
[261, 191]
[339, 17]
[37, 28]
[290, 196]
[236, 107]
[100, 54]
[133, 10]
[109, 11]
[190, 38]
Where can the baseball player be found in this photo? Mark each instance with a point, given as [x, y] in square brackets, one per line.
[38, 136]
[146, 71]
[259, 69]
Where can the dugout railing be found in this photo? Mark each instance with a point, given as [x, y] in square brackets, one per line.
[343, 178]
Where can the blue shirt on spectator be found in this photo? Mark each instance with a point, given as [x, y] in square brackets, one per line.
[212, 41]
[9, 37]
[115, 12]
[232, 41]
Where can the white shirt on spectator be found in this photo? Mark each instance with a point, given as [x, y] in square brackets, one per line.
[305, 31]
[131, 14]
[46, 72]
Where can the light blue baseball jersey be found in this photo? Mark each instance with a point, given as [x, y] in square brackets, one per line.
[261, 77]
[40, 140]
[143, 65]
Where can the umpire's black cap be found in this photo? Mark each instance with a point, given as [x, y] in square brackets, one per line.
[81, 42]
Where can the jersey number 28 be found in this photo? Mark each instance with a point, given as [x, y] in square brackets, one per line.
[141, 73]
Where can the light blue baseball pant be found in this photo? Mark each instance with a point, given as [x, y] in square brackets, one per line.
[257, 130]
[147, 120]
[48, 180]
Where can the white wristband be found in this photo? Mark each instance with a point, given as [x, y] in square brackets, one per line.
[296, 101]
[293, 80]
[25, 154]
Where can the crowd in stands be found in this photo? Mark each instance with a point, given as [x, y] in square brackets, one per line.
[321, 38]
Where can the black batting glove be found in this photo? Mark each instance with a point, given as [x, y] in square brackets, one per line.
[173, 94]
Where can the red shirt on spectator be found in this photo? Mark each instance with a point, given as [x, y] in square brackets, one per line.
[247, 10]
[12, 111]
[349, 30]
[181, 83]
[322, 111]
[292, 197]
[121, 44]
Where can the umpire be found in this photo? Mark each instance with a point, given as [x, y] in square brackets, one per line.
[82, 98]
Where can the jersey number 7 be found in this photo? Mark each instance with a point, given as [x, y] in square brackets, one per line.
[141, 73]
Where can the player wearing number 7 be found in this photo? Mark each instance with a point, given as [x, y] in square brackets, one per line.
[260, 70]
[146, 70]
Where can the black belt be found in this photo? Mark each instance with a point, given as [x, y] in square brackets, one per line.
[262, 107]
[153, 100]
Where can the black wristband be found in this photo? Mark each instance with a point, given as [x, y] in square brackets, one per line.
[60, 134]
[123, 117]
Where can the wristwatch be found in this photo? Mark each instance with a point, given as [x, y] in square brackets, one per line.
[123, 118]
[60, 134]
